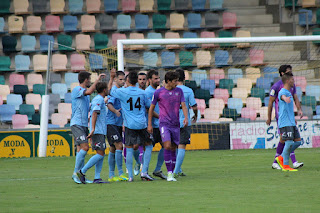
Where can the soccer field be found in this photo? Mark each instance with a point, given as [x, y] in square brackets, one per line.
[220, 181]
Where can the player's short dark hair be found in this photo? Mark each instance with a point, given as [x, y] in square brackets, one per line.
[133, 77]
[151, 73]
[283, 68]
[118, 73]
[83, 75]
[182, 76]
[100, 86]
[141, 73]
[285, 77]
[170, 76]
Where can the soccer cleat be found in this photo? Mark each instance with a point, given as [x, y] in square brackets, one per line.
[123, 178]
[175, 175]
[276, 166]
[76, 179]
[279, 159]
[81, 177]
[297, 165]
[170, 177]
[287, 168]
[113, 179]
[182, 174]
[89, 181]
[136, 169]
[159, 174]
[97, 181]
[146, 177]
[130, 180]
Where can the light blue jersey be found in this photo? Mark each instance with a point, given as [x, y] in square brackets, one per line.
[133, 106]
[286, 113]
[98, 105]
[190, 101]
[80, 107]
[150, 91]
[112, 118]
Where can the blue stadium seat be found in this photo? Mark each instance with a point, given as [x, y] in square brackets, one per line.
[142, 22]
[111, 6]
[208, 84]
[168, 59]
[44, 40]
[123, 22]
[150, 60]
[2, 24]
[270, 72]
[15, 100]
[216, 5]
[155, 36]
[70, 24]
[190, 35]
[234, 74]
[194, 21]
[264, 83]
[96, 61]
[53, 126]
[316, 117]
[75, 6]
[313, 90]
[221, 58]
[307, 111]
[299, 93]
[22, 63]
[40, 7]
[6, 112]
[60, 89]
[198, 75]
[235, 103]
[198, 5]
[70, 78]
[67, 98]
[28, 43]
[303, 14]
[239, 56]
[318, 110]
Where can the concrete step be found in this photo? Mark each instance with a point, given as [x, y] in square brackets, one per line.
[254, 19]
[266, 28]
[243, 3]
[268, 34]
[289, 56]
[257, 10]
[276, 47]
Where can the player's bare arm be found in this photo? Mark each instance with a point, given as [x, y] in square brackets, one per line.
[270, 107]
[150, 115]
[94, 120]
[185, 113]
[112, 109]
[298, 105]
[92, 88]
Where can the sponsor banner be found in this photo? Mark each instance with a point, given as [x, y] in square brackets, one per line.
[258, 135]
[16, 144]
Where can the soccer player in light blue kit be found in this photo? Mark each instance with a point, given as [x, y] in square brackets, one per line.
[114, 130]
[154, 81]
[80, 97]
[287, 124]
[133, 106]
[185, 131]
[98, 119]
[169, 98]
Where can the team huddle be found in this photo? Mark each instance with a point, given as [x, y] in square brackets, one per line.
[137, 118]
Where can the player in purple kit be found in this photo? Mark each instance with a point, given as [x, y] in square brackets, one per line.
[169, 98]
[275, 89]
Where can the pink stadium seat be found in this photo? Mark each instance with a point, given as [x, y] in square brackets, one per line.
[221, 93]
[172, 35]
[201, 105]
[211, 114]
[59, 62]
[88, 23]
[59, 119]
[256, 57]
[19, 121]
[78, 62]
[263, 111]
[34, 99]
[136, 36]
[300, 81]
[187, 76]
[128, 6]
[116, 37]
[207, 34]
[249, 113]
[303, 118]
[65, 108]
[229, 20]
[309, 3]
[34, 24]
[217, 104]
[1, 100]
[16, 79]
[93, 6]
[216, 75]
[32, 79]
[83, 42]
[254, 103]
[52, 23]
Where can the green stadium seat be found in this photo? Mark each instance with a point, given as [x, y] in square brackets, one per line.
[226, 84]
[2, 80]
[230, 113]
[39, 89]
[258, 93]
[203, 94]
[164, 5]
[100, 41]
[186, 59]
[288, 4]
[225, 34]
[159, 22]
[5, 6]
[316, 31]
[21, 89]
[27, 109]
[5, 63]
[35, 119]
[191, 84]
[65, 40]
[309, 101]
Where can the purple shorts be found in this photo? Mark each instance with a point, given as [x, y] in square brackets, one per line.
[170, 134]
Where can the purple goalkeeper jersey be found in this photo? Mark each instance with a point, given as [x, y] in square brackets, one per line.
[274, 91]
[169, 104]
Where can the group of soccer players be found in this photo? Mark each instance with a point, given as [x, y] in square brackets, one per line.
[135, 116]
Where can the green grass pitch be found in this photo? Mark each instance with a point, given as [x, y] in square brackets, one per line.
[216, 181]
